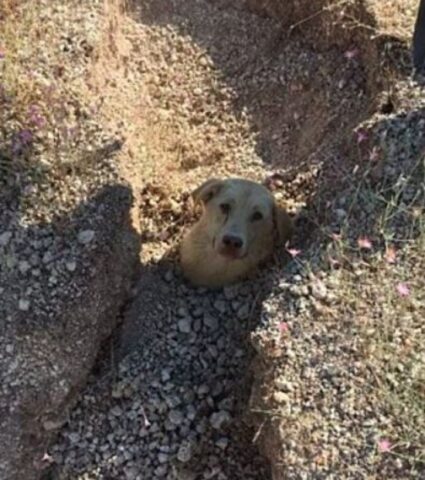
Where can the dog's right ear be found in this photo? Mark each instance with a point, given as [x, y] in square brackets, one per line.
[207, 191]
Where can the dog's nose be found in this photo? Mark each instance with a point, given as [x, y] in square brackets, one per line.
[232, 241]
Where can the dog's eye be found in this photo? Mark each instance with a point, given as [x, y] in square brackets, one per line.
[256, 216]
[225, 208]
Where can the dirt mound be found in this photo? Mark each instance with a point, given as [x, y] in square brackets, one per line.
[378, 31]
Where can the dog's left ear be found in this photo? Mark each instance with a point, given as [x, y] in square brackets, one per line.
[283, 224]
[207, 190]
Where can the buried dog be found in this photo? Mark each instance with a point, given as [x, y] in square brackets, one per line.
[237, 231]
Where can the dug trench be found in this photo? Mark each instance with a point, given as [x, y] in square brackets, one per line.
[204, 89]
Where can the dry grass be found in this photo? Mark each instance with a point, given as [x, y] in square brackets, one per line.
[43, 104]
[385, 290]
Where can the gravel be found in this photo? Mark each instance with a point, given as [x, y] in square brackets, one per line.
[186, 390]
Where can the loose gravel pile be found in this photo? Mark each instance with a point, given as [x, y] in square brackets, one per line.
[175, 405]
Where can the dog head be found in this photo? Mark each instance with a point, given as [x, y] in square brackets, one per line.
[241, 217]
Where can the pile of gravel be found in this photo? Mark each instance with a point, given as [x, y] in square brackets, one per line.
[175, 405]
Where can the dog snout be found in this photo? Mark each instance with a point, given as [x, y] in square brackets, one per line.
[233, 241]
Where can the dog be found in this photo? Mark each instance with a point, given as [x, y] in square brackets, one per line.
[236, 233]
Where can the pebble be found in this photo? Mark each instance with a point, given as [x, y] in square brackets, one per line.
[24, 266]
[86, 236]
[5, 238]
[184, 453]
[184, 325]
[24, 305]
[210, 321]
[219, 419]
[222, 443]
[71, 265]
[243, 312]
[176, 417]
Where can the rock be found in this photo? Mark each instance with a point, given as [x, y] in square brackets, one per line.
[131, 473]
[230, 292]
[5, 238]
[24, 305]
[219, 419]
[243, 312]
[222, 443]
[24, 266]
[184, 453]
[221, 306]
[71, 265]
[210, 321]
[176, 417]
[184, 325]
[86, 236]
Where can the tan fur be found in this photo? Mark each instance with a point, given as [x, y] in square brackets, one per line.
[252, 216]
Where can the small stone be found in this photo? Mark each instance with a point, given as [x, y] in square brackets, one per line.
[243, 312]
[184, 325]
[24, 305]
[74, 437]
[24, 266]
[184, 453]
[130, 473]
[5, 238]
[203, 389]
[169, 275]
[230, 292]
[176, 417]
[172, 401]
[163, 457]
[86, 236]
[221, 306]
[222, 443]
[210, 321]
[218, 419]
[47, 257]
[52, 425]
[161, 471]
[71, 265]
[116, 411]
[280, 397]
[283, 384]
[341, 213]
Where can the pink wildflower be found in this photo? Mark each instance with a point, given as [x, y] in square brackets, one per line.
[403, 289]
[364, 242]
[47, 458]
[294, 252]
[361, 136]
[384, 445]
[283, 327]
[350, 54]
[374, 154]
